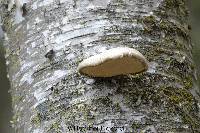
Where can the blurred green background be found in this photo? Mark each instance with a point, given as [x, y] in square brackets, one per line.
[195, 34]
[5, 98]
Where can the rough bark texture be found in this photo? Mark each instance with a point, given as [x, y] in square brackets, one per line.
[51, 96]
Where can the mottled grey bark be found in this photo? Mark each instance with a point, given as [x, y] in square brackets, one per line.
[51, 96]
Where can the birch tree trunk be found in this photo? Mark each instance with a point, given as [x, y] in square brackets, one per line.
[50, 96]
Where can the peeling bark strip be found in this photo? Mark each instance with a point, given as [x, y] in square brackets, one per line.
[51, 96]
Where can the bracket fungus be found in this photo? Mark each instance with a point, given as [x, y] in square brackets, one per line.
[113, 62]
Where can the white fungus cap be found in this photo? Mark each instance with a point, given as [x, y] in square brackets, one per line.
[113, 62]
